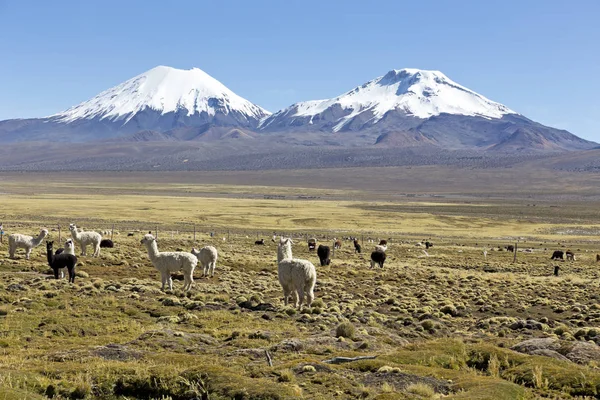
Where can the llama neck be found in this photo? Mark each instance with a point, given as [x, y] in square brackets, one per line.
[50, 256]
[152, 250]
[284, 252]
[76, 235]
[36, 241]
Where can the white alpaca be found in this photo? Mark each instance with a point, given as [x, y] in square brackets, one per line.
[69, 247]
[207, 256]
[381, 247]
[297, 277]
[85, 238]
[171, 261]
[17, 240]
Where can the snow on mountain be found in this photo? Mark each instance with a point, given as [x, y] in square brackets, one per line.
[404, 108]
[413, 92]
[163, 90]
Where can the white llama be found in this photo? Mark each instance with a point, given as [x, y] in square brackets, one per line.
[171, 261]
[85, 238]
[207, 256]
[17, 240]
[296, 276]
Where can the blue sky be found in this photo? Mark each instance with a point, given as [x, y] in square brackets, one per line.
[539, 57]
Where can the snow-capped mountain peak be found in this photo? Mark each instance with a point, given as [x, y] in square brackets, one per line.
[163, 90]
[413, 92]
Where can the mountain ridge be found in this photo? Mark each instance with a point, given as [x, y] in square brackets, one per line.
[405, 107]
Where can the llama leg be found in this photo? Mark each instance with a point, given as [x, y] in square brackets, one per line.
[62, 273]
[310, 295]
[299, 298]
[163, 279]
[55, 273]
[212, 268]
[28, 252]
[286, 295]
[188, 279]
[72, 275]
[191, 280]
[170, 282]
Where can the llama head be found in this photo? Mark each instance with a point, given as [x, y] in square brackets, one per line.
[49, 245]
[73, 227]
[283, 241]
[43, 233]
[284, 249]
[148, 238]
[69, 244]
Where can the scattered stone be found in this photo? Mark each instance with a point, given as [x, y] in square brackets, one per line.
[577, 352]
[16, 287]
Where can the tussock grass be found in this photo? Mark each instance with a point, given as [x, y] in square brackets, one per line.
[450, 316]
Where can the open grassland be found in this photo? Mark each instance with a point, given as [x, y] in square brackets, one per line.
[439, 322]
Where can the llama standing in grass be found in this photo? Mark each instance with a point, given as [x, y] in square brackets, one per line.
[378, 258]
[297, 277]
[59, 261]
[207, 256]
[16, 240]
[171, 261]
[324, 253]
[85, 238]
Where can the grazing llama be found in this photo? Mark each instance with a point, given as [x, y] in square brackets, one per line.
[107, 243]
[207, 256]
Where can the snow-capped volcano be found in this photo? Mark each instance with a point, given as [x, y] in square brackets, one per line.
[412, 92]
[164, 90]
[163, 102]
